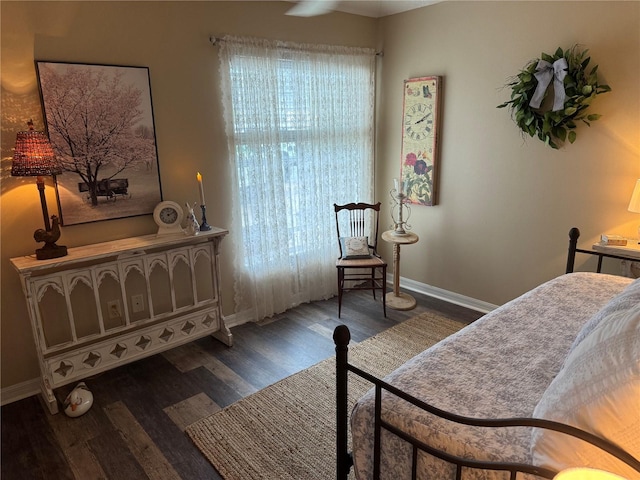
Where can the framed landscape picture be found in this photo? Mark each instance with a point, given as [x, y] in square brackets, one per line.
[100, 122]
[420, 121]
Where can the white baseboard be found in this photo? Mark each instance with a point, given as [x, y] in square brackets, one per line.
[19, 391]
[445, 295]
[237, 319]
[22, 390]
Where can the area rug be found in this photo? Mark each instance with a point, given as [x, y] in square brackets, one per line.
[287, 430]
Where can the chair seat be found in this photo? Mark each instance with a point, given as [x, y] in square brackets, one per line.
[372, 262]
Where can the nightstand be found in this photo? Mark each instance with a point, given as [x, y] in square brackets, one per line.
[631, 251]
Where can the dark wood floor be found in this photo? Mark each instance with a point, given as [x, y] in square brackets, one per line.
[135, 429]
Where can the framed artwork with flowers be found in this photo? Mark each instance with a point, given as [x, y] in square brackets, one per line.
[420, 114]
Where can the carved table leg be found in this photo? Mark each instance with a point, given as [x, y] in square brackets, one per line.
[224, 334]
[48, 397]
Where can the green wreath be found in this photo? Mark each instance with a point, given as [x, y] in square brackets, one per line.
[566, 69]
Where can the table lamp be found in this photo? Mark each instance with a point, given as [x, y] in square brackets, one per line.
[586, 474]
[634, 204]
[33, 157]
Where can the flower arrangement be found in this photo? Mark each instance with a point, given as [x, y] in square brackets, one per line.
[417, 176]
[574, 89]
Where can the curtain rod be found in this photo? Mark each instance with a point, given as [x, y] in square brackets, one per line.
[215, 40]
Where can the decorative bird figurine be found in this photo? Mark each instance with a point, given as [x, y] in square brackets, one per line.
[51, 236]
[79, 401]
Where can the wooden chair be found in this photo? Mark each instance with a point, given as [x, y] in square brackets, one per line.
[357, 226]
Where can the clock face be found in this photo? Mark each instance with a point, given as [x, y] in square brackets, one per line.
[419, 139]
[418, 121]
[168, 215]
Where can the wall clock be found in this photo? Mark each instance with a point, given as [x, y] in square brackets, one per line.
[420, 110]
[168, 216]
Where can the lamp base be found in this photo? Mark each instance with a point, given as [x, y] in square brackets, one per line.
[51, 250]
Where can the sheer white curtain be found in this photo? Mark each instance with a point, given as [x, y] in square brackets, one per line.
[300, 127]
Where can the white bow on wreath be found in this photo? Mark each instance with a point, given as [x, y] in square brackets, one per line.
[545, 71]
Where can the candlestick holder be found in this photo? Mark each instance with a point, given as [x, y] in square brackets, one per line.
[204, 226]
[400, 225]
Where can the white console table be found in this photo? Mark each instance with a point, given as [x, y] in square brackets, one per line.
[112, 303]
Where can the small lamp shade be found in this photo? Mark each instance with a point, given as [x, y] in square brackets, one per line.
[33, 155]
[586, 474]
[634, 204]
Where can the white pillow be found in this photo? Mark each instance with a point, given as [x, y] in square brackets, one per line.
[355, 247]
[625, 300]
[597, 390]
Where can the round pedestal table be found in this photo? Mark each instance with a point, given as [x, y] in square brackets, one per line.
[398, 300]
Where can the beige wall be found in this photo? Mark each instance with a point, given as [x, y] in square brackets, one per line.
[172, 39]
[506, 205]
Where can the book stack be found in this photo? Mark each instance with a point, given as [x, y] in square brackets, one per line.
[609, 239]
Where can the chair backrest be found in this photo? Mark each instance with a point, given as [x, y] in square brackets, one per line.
[358, 220]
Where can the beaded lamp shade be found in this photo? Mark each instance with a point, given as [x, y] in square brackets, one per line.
[33, 155]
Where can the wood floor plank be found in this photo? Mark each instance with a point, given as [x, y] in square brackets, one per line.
[256, 369]
[215, 388]
[153, 374]
[191, 410]
[187, 358]
[116, 460]
[83, 462]
[276, 349]
[323, 330]
[73, 435]
[29, 446]
[147, 407]
[231, 378]
[71, 431]
[295, 336]
[19, 457]
[140, 444]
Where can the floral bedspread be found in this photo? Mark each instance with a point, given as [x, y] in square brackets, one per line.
[497, 367]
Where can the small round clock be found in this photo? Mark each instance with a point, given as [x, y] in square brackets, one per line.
[168, 216]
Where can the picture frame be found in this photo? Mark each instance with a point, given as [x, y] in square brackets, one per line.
[420, 139]
[100, 122]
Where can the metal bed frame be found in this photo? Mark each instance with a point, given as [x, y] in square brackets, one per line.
[344, 460]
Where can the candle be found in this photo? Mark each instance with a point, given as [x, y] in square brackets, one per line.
[399, 185]
[199, 178]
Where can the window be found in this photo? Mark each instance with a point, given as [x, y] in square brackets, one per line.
[300, 122]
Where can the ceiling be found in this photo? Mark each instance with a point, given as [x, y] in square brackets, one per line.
[372, 8]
